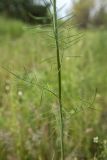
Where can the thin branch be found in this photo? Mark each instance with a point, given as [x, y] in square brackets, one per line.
[31, 83]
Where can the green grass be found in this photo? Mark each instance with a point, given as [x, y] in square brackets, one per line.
[28, 129]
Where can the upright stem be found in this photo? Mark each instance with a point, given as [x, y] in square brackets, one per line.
[59, 79]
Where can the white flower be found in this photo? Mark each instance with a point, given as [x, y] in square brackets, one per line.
[20, 93]
[95, 139]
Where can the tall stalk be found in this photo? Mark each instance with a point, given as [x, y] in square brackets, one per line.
[59, 78]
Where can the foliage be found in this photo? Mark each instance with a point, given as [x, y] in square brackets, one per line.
[25, 10]
[100, 18]
[87, 14]
[82, 10]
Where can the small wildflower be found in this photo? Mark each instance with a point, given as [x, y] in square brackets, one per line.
[7, 88]
[20, 93]
[20, 96]
[95, 139]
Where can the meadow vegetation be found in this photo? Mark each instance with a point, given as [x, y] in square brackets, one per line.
[29, 113]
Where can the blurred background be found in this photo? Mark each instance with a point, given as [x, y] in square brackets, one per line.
[29, 121]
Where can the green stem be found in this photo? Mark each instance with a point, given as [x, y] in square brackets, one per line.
[59, 79]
